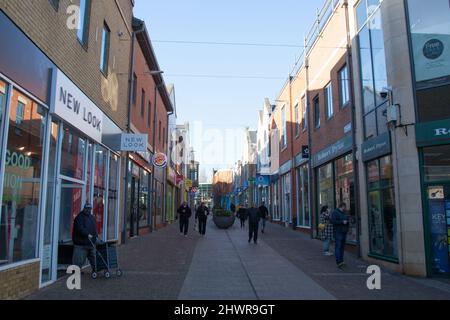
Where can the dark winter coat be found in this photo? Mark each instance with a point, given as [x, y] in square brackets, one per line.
[337, 219]
[263, 212]
[253, 215]
[202, 213]
[184, 212]
[83, 226]
[242, 214]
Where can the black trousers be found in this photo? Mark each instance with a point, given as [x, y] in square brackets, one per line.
[253, 231]
[242, 223]
[202, 225]
[184, 225]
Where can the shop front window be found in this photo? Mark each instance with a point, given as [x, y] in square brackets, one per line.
[381, 206]
[101, 158]
[326, 188]
[286, 191]
[72, 154]
[345, 192]
[304, 216]
[19, 217]
[144, 199]
[113, 189]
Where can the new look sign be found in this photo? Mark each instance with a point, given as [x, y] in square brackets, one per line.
[73, 106]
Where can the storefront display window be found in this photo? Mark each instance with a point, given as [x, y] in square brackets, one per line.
[326, 186]
[72, 154]
[143, 199]
[113, 195]
[345, 192]
[382, 211]
[286, 192]
[19, 217]
[101, 158]
[304, 215]
[3, 88]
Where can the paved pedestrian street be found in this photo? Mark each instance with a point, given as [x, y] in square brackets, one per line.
[284, 265]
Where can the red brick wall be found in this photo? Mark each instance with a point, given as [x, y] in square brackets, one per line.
[146, 82]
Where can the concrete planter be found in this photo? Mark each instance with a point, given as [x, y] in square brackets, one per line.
[224, 222]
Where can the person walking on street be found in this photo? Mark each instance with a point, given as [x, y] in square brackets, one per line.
[185, 214]
[253, 224]
[201, 215]
[84, 237]
[326, 230]
[264, 214]
[233, 208]
[340, 222]
[242, 215]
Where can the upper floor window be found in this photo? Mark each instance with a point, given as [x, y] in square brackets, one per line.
[143, 103]
[104, 55]
[344, 86]
[55, 4]
[316, 112]
[297, 120]
[149, 119]
[329, 100]
[134, 96]
[304, 114]
[283, 125]
[83, 22]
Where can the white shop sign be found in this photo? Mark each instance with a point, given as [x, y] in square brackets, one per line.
[72, 105]
[133, 142]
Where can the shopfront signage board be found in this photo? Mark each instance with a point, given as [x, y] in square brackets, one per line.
[433, 133]
[70, 104]
[133, 142]
[376, 147]
[339, 148]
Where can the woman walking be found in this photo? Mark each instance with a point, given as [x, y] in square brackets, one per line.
[326, 230]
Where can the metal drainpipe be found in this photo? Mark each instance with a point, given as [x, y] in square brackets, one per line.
[127, 154]
[310, 168]
[354, 147]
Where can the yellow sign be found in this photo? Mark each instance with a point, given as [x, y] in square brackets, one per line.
[188, 183]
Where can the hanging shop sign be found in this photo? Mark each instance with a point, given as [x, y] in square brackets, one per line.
[133, 142]
[376, 147]
[339, 148]
[179, 179]
[160, 160]
[70, 104]
[433, 133]
[263, 181]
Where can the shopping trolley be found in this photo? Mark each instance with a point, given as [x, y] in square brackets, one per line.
[105, 259]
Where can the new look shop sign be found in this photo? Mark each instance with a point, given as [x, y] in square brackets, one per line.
[72, 105]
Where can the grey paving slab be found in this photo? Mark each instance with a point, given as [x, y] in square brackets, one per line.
[226, 266]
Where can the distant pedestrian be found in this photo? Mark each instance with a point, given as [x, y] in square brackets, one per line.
[185, 214]
[326, 230]
[201, 215]
[233, 208]
[264, 214]
[253, 224]
[84, 238]
[242, 215]
[340, 221]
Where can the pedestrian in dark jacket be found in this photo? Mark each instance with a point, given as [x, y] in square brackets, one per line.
[84, 237]
[326, 230]
[340, 221]
[233, 208]
[253, 224]
[201, 215]
[264, 214]
[185, 214]
[242, 215]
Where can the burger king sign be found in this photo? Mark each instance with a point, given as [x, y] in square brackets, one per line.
[160, 160]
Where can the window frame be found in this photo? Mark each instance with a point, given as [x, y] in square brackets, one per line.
[316, 103]
[84, 40]
[343, 104]
[297, 120]
[105, 49]
[329, 106]
[284, 128]
[142, 103]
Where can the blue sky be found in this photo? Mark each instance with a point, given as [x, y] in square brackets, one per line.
[219, 108]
